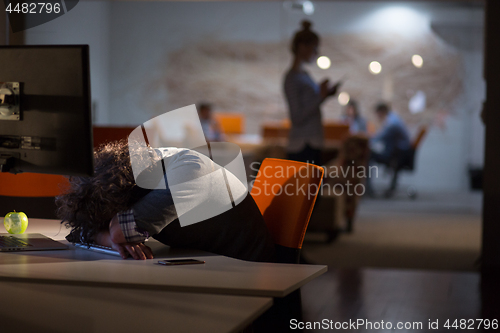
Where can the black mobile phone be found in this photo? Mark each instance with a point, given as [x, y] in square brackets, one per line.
[180, 262]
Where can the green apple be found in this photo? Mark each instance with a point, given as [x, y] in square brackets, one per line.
[15, 223]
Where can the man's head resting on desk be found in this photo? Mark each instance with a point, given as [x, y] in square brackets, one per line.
[90, 202]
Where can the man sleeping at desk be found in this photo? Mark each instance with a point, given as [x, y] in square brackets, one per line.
[110, 209]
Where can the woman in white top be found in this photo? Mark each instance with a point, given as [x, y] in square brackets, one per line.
[304, 98]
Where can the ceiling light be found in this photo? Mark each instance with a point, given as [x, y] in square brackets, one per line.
[344, 98]
[324, 62]
[417, 60]
[375, 67]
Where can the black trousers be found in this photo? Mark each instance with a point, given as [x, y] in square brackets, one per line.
[306, 155]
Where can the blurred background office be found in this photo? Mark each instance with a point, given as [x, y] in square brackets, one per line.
[234, 55]
[424, 58]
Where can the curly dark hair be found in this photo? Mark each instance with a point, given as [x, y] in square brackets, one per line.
[91, 202]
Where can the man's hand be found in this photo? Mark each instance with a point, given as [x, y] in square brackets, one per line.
[138, 251]
[115, 239]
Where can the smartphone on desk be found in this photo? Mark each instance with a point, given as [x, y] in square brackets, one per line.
[180, 262]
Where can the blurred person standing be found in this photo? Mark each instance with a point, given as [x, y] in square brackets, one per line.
[304, 98]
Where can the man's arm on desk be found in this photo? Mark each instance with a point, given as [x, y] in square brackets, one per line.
[115, 239]
[156, 210]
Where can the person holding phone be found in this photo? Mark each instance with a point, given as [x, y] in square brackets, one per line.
[304, 98]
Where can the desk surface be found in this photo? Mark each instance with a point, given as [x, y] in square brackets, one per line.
[58, 308]
[249, 142]
[219, 275]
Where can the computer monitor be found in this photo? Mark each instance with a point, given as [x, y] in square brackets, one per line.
[45, 110]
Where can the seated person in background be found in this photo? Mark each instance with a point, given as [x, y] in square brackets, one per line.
[391, 144]
[357, 124]
[110, 209]
[392, 139]
[210, 126]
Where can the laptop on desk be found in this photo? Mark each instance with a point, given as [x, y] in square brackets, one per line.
[28, 242]
[39, 242]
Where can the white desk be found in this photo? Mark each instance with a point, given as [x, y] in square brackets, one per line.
[220, 275]
[31, 307]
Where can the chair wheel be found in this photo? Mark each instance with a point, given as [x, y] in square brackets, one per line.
[411, 192]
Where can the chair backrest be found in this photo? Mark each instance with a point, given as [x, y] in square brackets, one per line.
[276, 130]
[32, 185]
[418, 139]
[332, 130]
[285, 192]
[231, 123]
[335, 130]
[105, 134]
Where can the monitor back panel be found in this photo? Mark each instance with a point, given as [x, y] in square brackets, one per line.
[55, 107]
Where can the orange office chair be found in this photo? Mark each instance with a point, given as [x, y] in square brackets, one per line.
[231, 123]
[285, 192]
[276, 130]
[105, 134]
[335, 131]
[31, 193]
[420, 136]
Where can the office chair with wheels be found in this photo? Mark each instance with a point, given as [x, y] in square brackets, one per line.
[286, 210]
[404, 161]
[285, 192]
